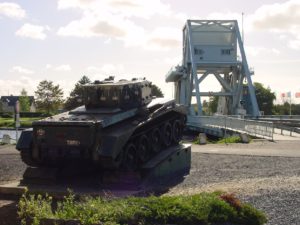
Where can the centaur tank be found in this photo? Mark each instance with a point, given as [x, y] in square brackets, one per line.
[120, 126]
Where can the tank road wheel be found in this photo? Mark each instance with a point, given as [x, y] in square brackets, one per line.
[130, 158]
[156, 140]
[167, 134]
[177, 131]
[143, 151]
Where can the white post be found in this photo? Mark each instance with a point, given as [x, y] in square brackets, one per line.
[17, 122]
[290, 104]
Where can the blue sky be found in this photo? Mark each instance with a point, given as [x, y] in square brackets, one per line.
[65, 39]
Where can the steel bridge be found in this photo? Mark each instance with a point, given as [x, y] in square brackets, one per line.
[214, 48]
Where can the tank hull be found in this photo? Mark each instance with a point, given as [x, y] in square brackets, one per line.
[110, 139]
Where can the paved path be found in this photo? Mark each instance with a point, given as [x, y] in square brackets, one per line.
[8, 149]
[286, 135]
[285, 148]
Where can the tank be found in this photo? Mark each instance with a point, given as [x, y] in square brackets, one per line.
[120, 125]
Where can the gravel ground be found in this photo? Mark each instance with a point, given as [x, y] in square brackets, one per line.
[11, 168]
[271, 184]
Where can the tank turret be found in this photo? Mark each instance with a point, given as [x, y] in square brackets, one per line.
[122, 94]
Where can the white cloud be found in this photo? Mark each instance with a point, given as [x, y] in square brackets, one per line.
[64, 67]
[48, 66]
[32, 31]
[20, 69]
[295, 44]
[115, 20]
[92, 26]
[262, 51]
[106, 69]
[103, 71]
[108, 26]
[228, 15]
[280, 18]
[65, 4]
[164, 38]
[93, 69]
[12, 10]
[14, 87]
[124, 8]
[172, 61]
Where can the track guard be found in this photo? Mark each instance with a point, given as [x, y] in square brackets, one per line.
[25, 140]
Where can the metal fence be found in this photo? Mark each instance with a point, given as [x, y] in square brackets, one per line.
[251, 127]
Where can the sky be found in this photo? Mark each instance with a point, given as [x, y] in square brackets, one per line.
[62, 40]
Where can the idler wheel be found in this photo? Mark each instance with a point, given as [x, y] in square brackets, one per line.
[167, 134]
[156, 140]
[177, 131]
[143, 151]
[130, 158]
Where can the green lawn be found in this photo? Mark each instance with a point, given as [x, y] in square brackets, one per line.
[10, 123]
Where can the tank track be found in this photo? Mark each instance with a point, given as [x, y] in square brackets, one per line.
[145, 142]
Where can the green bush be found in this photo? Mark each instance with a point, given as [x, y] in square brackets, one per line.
[7, 115]
[204, 208]
[230, 139]
[32, 208]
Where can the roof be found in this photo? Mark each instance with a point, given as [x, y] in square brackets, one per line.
[11, 100]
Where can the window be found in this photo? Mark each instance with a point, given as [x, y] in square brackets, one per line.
[198, 51]
[225, 51]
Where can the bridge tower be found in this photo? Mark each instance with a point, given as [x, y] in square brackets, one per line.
[213, 48]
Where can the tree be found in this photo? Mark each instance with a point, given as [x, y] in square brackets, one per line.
[284, 109]
[156, 91]
[265, 98]
[24, 101]
[48, 96]
[213, 104]
[72, 101]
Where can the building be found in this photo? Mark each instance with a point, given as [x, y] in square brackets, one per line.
[8, 103]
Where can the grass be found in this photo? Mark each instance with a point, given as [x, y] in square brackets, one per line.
[228, 140]
[199, 209]
[10, 123]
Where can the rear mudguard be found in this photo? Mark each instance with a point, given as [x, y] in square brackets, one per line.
[25, 141]
[113, 140]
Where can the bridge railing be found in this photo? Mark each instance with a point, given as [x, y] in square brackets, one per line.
[280, 117]
[252, 127]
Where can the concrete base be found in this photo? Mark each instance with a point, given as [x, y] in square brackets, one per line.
[164, 170]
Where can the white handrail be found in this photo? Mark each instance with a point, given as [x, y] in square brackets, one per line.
[252, 127]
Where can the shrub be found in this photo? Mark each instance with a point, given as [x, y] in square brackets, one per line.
[204, 208]
[31, 208]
